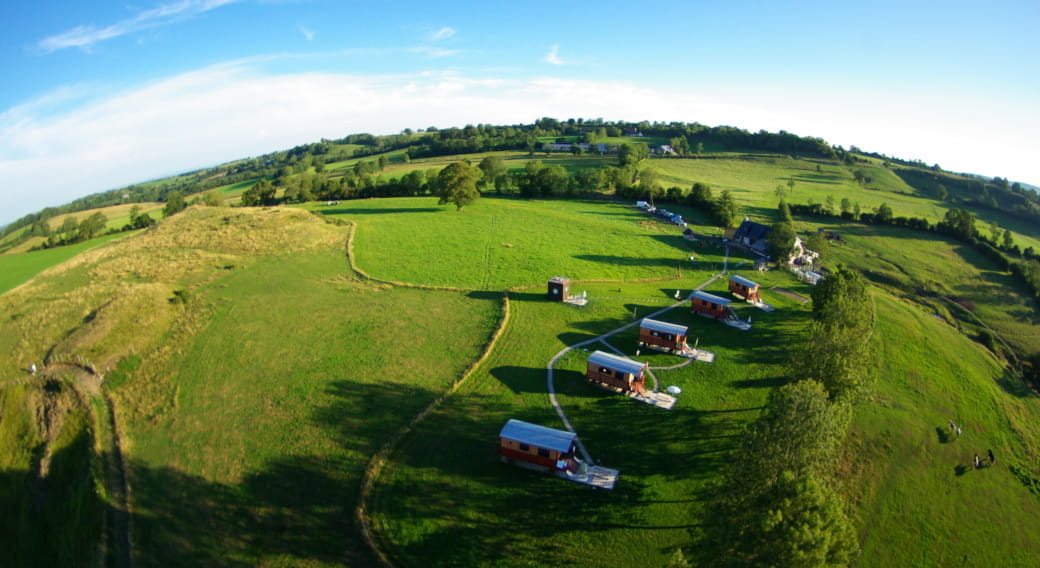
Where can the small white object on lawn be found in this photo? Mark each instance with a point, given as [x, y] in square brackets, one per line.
[673, 390]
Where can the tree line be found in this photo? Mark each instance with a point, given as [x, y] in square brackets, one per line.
[778, 502]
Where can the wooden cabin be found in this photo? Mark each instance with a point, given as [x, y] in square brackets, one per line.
[744, 288]
[710, 305]
[616, 372]
[536, 447]
[663, 335]
[559, 288]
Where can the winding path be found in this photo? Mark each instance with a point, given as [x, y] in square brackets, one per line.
[603, 338]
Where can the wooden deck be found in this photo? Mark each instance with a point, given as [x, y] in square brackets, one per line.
[594, 475]
[658, 399]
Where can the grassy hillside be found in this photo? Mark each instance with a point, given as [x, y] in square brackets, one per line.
[251, 375]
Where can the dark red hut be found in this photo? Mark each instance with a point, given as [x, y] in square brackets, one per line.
[662, 335]
[536, 447]
[616, 372]
[709, 305]
[744, 288]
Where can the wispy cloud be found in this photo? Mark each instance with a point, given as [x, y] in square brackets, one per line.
[307, 33]
[84, 37]
[432, 52]
[554, 56]
[443, 33]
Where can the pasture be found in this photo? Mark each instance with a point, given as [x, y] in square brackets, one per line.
[254, 374]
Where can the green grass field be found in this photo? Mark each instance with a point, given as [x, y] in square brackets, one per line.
[255, 375]
[16, 269]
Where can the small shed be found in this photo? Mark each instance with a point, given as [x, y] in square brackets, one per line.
[664, 335]
[536, 447]
[710, 305]
[744, 288]
[559, 288]
[616, 372]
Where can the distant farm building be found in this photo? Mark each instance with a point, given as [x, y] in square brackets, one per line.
[663, 335]
[616, 372]
[559, 288]
[744, 289]
[752, 236]
[710, 305]
[539, 447]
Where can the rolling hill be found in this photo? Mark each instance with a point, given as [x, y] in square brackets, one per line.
[322, 383]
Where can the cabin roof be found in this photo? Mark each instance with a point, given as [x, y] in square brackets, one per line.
[751, 230]
[663, 326]
[711, 298]
[744, 281]
[535, 435]
[623, 364]
[560, 279]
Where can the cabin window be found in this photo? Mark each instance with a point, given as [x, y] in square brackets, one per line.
[542, 452]
[604, 371]
[669, 337]
[524, 447]
[619, 374]
[655, 333]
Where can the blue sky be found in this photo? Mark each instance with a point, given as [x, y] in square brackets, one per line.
[96, 96]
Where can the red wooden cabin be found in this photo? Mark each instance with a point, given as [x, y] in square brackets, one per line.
[744, 288]
[536, 447]
[710, 305]
[616, 372]
[664, 335]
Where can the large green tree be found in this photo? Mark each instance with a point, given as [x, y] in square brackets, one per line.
[725, 209]
[774, 506]
[780, 242]
[457, 183]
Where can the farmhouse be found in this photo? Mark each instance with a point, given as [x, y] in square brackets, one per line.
[710, 305]
[662, 335]
[752, 236]
[536, 447]
[616, 372]
[559, 288]
[744, 289]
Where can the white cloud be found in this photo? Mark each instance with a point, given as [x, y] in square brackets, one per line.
[85, 37]
[231, 111]
[306, 33]
[554, 56]
[443, 33]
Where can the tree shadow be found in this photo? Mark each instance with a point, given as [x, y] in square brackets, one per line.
[522, 379]
[761, 383]
[1013, 384]
[629, 260]
[377, 211]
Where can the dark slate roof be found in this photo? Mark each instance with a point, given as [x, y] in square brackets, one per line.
[623, 364]
[743, 281]
[663, 326]
[711, 298]
[751, 230]
[535, 435]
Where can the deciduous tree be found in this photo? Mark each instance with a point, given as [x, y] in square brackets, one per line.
[457, 183]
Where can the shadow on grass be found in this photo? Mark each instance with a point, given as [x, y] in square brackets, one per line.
[762, 383]
[377, 211]
[961, 469]
[1015, 385]
[449, 500]
[629, 260]
[942, 435]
